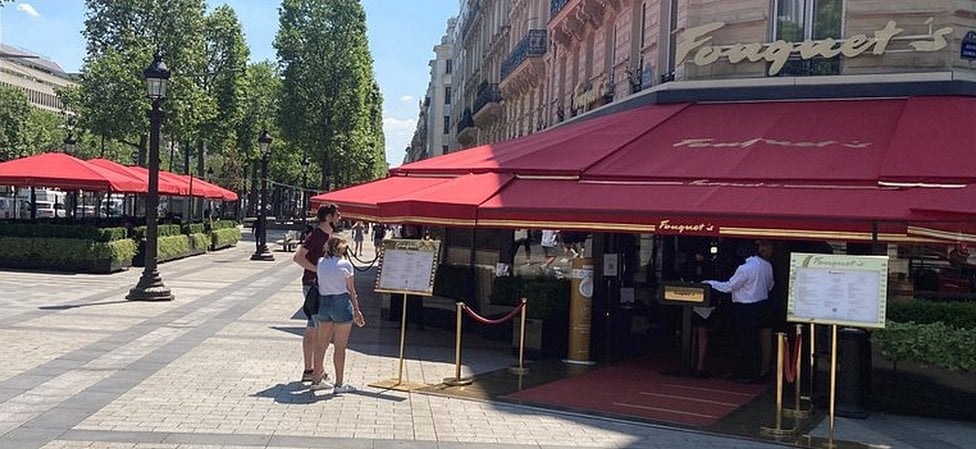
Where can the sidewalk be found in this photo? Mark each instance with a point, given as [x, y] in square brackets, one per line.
[218, 367]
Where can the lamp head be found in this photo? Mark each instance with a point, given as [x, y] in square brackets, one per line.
[157, 78]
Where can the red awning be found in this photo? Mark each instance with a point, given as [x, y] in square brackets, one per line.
[360, 201]
[564, 150]
[801, 169]
[66, 172]
[197, 188]
[165, 188]
[451, 203]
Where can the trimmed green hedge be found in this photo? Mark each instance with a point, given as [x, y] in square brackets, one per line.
[172, 247]
[193, 228]
[66, 254]
[223, 224]
[936, 344]
[957, 314]
[223, 238]
[65, 231]
[163, 230]
[199, 242]
[546, 297]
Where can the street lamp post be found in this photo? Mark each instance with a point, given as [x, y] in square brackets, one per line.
[262, 253]
[69, 143]
[305, 164]
[150, 286]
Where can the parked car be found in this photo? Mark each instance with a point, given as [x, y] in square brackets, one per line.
[47, 209]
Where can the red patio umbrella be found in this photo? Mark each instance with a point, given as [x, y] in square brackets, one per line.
[165, 187]
[66, 172]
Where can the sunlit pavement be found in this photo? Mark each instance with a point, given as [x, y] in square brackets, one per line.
[219, 367]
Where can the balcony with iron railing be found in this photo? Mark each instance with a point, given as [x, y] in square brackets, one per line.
[468, 19]
[467, 121]
[532, 45]
[487, 94]
[555, 6]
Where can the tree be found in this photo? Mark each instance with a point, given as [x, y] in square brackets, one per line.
[15, 112]
[122, 36]
[224, 80]
[24, 129]
[328, 88]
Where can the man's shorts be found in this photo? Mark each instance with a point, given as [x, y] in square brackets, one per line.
[310, 322]
[335, 309]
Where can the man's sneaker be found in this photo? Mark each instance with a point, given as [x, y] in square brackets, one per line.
[307, 376]
[323, 385]
[344, 388]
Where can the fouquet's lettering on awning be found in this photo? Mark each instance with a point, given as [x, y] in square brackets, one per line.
[681, 228]
[713, 143]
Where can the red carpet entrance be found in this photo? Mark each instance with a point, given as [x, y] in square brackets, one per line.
[638, 389]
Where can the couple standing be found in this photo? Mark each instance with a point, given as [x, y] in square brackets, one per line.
[321, 255]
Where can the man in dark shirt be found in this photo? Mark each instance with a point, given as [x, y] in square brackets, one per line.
[307, 257]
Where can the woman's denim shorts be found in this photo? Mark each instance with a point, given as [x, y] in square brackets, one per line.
[335, 309]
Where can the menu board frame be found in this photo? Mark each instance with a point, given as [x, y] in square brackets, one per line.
[824, 274]
[395, 259]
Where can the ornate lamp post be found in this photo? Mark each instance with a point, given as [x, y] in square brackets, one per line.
[69, 143]
[150, 286]
[305, 164]
[262, 253]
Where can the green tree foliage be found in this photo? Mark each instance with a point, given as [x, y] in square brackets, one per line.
[259, 100]
[224, 80]
[121, 37]
[328, 89]
[24, 129]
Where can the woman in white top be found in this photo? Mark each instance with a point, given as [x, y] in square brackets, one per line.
[338, 309]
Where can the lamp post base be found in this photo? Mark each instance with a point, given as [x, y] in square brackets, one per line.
[263, 254]
[150, 288]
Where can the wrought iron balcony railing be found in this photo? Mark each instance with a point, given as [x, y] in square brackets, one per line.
[467, 121]
[555, 6]
[487, 93]
[532, 45]
[474, 6]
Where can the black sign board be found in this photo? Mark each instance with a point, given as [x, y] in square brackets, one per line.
[968, 48]
[685, 294]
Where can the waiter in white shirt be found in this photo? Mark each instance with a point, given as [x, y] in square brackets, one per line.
[750, 286]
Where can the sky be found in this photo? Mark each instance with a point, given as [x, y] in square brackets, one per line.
[402, 35]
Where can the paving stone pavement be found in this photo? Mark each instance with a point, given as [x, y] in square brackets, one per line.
[218, 368]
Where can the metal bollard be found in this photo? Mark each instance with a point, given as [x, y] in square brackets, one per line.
[521, 369]
[778, 431]
[457, 381]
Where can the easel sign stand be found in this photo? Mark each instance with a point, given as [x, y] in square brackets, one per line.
[836, 290]
[406, 267]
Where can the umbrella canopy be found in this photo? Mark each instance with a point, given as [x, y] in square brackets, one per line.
[165, 187]
[65, 172]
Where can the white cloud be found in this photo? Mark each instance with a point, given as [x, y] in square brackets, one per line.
[28, 9]
[398, 133]
[407, 98]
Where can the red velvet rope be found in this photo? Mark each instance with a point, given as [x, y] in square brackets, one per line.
[789, 370]
[501, 320]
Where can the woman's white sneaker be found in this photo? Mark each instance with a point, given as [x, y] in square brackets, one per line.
[344, 388]
[323, 385]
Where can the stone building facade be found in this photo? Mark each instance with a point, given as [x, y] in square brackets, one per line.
[526, 65]
[37, 76]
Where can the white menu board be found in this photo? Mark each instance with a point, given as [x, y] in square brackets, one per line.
[408, 266]
[838, 289]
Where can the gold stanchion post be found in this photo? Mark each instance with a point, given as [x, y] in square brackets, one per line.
[797, 411]
[778, 431]
[833, 381]
[457, 381]
[813, 360]
[521, 369]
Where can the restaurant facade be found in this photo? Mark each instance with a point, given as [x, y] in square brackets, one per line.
[664, 128]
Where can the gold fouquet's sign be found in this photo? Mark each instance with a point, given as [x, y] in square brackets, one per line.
[777, 53]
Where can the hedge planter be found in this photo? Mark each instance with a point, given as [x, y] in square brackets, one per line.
[66, 254]
[169, 248]
[224, 238]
